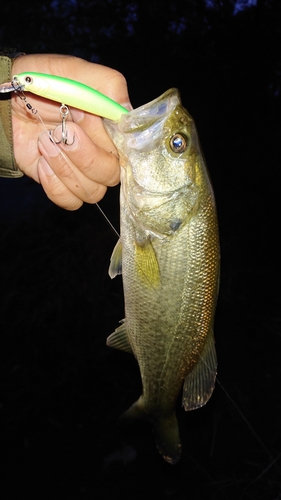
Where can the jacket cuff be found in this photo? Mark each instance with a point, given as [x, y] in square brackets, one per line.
[8, 166]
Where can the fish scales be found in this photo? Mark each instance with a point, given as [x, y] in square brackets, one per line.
[173, 343]
[170, 263]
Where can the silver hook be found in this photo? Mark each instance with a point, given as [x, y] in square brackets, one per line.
[64, 113]
[64, 133]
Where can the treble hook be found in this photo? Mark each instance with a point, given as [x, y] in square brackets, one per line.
[64, 133]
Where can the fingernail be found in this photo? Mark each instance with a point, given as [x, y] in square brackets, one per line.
[46, 145]
[77, 115]
[44, 165]
[127, 105]
[71, 140]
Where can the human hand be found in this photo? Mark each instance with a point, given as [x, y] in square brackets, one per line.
[69, 174]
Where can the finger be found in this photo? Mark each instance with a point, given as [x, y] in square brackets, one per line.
[107, 80]
[56, 191]
[94, 128]
[104, 79]
[98, 164]
[67, 175]
[86, 157]
[114, 85]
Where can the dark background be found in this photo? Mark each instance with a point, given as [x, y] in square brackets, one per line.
[62, 389]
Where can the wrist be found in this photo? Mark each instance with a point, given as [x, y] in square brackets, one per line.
[8, 166]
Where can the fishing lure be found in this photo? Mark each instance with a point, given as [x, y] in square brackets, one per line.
[66, 91]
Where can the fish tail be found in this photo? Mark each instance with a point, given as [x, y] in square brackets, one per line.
[166, 430]
[167, 438]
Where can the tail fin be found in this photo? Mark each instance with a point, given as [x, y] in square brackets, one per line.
[166, 431]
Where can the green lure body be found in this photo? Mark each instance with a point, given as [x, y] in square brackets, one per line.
[71, 93]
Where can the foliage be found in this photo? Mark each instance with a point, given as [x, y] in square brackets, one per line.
[88, 27]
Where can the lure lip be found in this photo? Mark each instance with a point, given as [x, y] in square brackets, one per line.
[7, 87]
[12, 86]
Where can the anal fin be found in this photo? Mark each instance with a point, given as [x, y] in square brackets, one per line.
[200, 382]
[119, 340]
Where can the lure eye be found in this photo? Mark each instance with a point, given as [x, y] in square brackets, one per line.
[28, 79]
[178, 143]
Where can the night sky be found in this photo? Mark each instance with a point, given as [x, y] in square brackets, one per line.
[61, 389]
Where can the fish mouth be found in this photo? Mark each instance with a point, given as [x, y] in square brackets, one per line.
[142, 127]
[144, 116]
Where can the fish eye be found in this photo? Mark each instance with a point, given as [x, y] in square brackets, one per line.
[28, 79]
[178, 143]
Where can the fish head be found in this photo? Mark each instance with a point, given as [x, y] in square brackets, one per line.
[163, 173]
[158, 143]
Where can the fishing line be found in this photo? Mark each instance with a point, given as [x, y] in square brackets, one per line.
[273, 463]
[273, 459]
[107, 220]
[29, 106]
[64, 111]
[256, 436]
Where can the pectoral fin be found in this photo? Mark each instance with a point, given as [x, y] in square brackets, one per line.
[116, 260]
[200, 382]
[119, 340]
[147, 264]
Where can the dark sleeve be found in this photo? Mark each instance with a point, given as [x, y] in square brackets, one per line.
[8, 166]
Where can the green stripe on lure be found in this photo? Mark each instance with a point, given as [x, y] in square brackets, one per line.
[66, 91]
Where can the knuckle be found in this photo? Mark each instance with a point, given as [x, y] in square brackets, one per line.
[63, 167]
[116, 85]
[64, 198]
[97, 194]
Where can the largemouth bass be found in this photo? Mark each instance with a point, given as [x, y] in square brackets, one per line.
[168, 254]
[168, 251]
